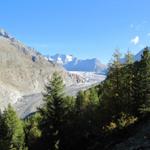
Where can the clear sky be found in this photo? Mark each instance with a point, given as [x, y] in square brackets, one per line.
[84, 28]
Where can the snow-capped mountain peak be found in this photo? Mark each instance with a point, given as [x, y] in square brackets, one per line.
[69, 58]
[72, 63]
[61, 59]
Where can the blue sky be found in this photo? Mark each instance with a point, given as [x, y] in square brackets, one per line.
[84, 28]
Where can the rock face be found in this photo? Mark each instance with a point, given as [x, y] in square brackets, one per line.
[23, 71]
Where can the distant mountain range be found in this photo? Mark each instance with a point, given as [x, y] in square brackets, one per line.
[136, 57]
[72, 63]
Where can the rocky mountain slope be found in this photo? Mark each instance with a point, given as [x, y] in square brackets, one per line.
[72, 63]
[23, 71]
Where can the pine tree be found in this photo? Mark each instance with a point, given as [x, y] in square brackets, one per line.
[136, 92]
[53, 113]
[11, 127]
[80, 102]
[129, 58]
[127, 83]
[93, 96]
[32, 131]
[112, 94]
[145, 80]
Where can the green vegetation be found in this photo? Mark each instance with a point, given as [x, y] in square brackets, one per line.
[95, 119]
[11, 129]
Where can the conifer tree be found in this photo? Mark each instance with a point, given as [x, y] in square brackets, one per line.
[93, 96]
[53, 113]
[136, 92]
[112, 94]
[129, 58]
[32, 132]
[127, 83]
[12, 133]
[80, 102]
[145, 80]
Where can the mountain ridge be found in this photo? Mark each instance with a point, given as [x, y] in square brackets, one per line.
[71, 63]
[136, 57]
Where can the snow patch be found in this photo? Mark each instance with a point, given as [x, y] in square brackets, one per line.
[69, 58]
